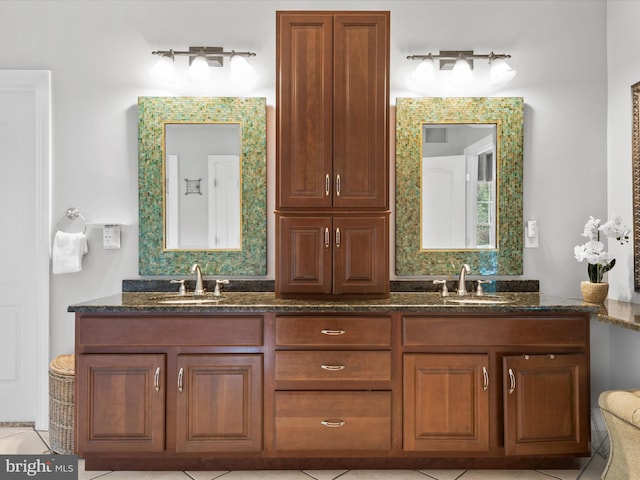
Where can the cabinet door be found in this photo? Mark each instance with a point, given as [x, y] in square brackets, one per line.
[324, 255]
[304, 117]
[360, 100]
[446, 402]
[219, 404]
[303, 255]
[361, 255]
[546, 405]
[121, 403]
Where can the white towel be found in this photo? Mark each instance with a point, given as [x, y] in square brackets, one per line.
[68, 249]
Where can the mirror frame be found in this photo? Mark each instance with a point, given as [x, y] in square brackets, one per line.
[635, 160]
[508, 115]
[153, 114]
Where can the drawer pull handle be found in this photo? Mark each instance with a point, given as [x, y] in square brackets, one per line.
[156, 379]
[180, 378]
[512, 382]
[333, 423]
[333, 333]
[485, 379]
[333, 368]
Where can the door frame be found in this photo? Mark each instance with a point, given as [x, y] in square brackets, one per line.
[39, 82]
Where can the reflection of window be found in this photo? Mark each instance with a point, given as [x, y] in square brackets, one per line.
[485, 201]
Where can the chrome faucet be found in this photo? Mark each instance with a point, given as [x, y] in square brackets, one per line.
[199, 290]
[462, 285]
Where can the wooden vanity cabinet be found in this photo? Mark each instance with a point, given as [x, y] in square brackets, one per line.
[332, 116]
[165, 384]
[343, 255]
[332, 166]
[333, 384]
[528, 374]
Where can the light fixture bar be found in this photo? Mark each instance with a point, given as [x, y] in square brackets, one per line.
[214, 55]
[448, 57]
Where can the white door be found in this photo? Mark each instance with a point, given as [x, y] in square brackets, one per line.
[443, 202]
[24, 245]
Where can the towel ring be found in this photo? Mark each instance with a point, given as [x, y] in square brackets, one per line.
[72, 213]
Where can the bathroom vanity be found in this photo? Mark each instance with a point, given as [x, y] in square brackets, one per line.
[251, 381]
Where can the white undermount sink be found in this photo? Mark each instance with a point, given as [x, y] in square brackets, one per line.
[479, 300]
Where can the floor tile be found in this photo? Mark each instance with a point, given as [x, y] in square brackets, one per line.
[7, 431]
[504, 475]
[595, 469]
[89, 475]
[325, 474]
[28, 443]
[202, 475]
[384, 475]
[443, 474]
[145, 476]
[265, 475]
[561, 474]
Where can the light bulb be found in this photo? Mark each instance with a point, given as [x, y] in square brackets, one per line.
[461, 73]
[164, 69]
[199, 70]
[500, 71]
[241, 71]
[425, 72]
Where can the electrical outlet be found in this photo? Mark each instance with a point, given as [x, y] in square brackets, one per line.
[111, 237]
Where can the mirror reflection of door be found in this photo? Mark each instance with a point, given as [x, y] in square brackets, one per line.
[202, 186]
[458, 186]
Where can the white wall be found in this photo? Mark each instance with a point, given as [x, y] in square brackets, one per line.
[99, 53]
[623, 38]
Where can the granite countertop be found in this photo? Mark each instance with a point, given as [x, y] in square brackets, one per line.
[267, 302]
[623, 314]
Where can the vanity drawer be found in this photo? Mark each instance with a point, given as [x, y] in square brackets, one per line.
[333, 421]
[335, 365]
[209, 330]
[328, 331]
[544, 330]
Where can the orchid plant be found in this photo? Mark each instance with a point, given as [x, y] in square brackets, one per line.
[600, 262]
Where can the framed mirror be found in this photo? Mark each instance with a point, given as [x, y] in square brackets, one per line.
[635, 158]
[202, 185]
[459, 185]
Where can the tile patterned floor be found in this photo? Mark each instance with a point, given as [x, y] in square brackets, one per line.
[25, 440]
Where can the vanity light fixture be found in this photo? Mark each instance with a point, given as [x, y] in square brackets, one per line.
[201, 59]
[460, 62]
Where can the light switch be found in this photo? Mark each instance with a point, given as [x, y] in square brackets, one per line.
[111, 237]
[531, 234]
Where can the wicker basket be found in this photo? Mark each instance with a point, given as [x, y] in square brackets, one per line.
[61, 388]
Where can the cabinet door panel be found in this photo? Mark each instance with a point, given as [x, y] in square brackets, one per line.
[304, 255]
[446, 402]
[361, 255]
[304, 114]
[219, 405]
[121, 403]
[360, 110]
[546, 405]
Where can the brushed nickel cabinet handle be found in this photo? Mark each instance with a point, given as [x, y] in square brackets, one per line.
[156, 379]
[338, 185]
[512, 382]
[180, 379]
[327, 185]
[338, 237]
[327, 240]
[333, 423]
[333, 368]
[333, 333]
[485, 379]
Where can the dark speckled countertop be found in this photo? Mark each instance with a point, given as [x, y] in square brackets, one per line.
[267, 302]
